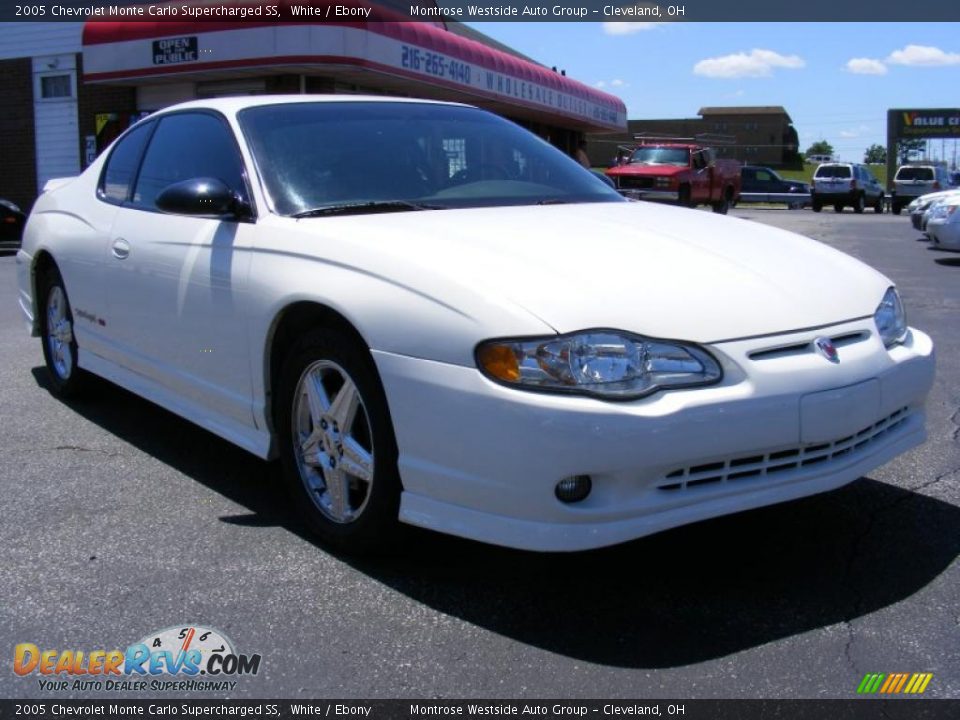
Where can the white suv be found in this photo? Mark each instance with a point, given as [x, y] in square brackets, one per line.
[912, 181]
[842, 184]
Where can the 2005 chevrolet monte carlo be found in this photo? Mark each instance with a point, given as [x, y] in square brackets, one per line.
[432, 316]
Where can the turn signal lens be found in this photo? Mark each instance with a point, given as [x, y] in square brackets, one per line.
[499, 361]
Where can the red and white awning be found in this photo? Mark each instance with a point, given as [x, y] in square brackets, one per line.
[419, 58]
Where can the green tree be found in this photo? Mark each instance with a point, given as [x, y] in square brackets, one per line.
[820, 147]
[906, 149]
[875, 154]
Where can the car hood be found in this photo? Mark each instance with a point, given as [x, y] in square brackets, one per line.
[658, 170]
[656, 270]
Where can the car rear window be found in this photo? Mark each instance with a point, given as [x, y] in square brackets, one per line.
[915, 173]
[833, 171]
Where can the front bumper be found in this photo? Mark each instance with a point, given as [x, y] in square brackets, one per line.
[481, 461]
[945, 235]
[650, 194]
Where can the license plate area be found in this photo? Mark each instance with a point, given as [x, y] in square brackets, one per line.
[835, 414]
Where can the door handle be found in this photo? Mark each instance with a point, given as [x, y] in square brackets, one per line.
[120, 249]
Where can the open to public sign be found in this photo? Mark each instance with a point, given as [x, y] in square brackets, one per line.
[175, 50]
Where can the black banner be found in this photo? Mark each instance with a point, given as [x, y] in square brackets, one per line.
[478, 11]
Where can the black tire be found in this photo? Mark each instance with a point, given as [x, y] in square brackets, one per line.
[859, 204]
[683, 197]
[721, 207]
[838, 207]
[60, 350]
[327, 356]
[817, 206]
[878, 205]
[896, 209]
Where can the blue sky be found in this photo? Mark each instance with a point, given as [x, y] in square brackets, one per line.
[673, 69]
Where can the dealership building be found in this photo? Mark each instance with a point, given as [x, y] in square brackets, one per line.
[71, 88]
[758, 134]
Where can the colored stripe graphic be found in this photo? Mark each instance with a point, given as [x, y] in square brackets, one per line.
[894, 683]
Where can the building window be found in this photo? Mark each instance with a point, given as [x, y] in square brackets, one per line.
[56, 86]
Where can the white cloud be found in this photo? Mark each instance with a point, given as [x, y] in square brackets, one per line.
[855, 132]
[756, 63]
[615, 83]
[923, 55]
[628, 28]
[866, 66]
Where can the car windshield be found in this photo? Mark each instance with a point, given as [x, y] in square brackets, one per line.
[328, 158]
[660, 156]
[915, 173]
[833, 171]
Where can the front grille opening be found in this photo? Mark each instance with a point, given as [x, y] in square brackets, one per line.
[781, 461]
[802, 348]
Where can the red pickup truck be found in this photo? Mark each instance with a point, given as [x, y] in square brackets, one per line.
[682, 173]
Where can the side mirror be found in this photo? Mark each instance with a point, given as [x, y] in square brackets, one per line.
[203, 197]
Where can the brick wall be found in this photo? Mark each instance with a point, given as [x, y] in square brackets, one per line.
[18, 159]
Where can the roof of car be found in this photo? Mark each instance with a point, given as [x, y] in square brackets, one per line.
[235, 104]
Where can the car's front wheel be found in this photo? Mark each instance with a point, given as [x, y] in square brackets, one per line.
[337, 444]
[878, 205]
[59, 343]
[859, 204]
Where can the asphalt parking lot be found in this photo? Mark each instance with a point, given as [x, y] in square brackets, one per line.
[121, 519]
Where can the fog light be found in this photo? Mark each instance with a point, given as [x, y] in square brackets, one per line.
[573, 489]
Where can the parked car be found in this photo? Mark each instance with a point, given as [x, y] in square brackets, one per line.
[919, 208]
[683, 173]
[912, 181]
[12, 221]
[479, 338]
[758, 180]
[944, 225]
[843, 184]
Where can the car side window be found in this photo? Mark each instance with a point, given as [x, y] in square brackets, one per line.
[763, 176]
[185, 146]
[121, 167]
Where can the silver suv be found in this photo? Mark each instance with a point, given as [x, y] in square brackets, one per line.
[842, 184]
[912, 181]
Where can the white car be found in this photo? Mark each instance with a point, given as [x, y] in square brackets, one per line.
[944, 224]
[430, 315]
[920, 208]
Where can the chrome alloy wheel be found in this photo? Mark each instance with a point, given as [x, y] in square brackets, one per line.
[59, 333]
[333, 444]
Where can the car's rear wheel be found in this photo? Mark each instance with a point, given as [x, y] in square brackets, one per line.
[817, 206]
[838, 207]
[878, 205]
[896, 208]
[859, 204]
[60, 350]
[337, 444]
[722, 206]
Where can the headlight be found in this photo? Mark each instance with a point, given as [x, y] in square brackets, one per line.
[608, 364]
[891, 318]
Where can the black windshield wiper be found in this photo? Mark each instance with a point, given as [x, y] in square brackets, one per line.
[360, 208]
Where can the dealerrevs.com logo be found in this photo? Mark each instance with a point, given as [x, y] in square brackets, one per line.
[180, 658]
